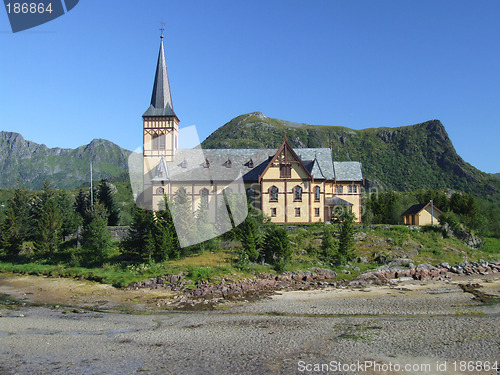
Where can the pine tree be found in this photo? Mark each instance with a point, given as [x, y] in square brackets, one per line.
[250, 239]
[167, 220]
[329, 251]
[276, 247]
[137, 233]
[70, 219]
[205, 231]
[96, 238]
[184, 219]
[166, 245]
[82, 204]
[11, 233]
[20, 204]
[48, 235]
[346, 238]
[105, 197]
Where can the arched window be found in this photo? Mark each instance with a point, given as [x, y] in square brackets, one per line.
[204, 196]
[273, 194]
[297, 194]
[160, 190]
[317, 191]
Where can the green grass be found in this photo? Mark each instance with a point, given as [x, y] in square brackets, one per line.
[491, 245]
[422, 246]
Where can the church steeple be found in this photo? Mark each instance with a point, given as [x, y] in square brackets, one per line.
[161, 98]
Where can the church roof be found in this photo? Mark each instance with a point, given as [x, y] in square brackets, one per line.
[347, 170]
[161, 98]
[190, 164]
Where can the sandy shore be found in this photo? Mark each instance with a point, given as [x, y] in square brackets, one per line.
[420, 325]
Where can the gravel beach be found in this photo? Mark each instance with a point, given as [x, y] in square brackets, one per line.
[408, 328]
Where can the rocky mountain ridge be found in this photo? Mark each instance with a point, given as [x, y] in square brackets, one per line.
[29, 164]
[412, 157]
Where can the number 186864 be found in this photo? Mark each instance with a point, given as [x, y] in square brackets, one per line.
[477, 366]
[26, 8]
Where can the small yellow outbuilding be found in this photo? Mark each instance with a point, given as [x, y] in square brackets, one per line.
[421, 214]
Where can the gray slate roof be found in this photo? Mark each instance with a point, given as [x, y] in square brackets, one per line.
[189, 164]
[348, 170]
[161, 99]
[336, 201]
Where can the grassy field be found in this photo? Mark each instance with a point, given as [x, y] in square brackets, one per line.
[374, 243]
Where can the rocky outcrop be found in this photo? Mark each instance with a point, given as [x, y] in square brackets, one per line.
[394, 273]
[220, 289]
[227, 288]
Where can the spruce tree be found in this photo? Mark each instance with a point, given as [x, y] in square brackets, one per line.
[20, 204]
[96, 238]
[276, 247]
[329, 251]
[250, 239]
[165, 217]
[70, 219]
[11, 238]
[184, 219]
[133, 244]
[82, 203]
[205, 231]
[105, 197]
[346, 238]
[48, 235]
[49, 227]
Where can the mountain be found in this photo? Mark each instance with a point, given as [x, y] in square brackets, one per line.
[497, 175]
[30, 164]
[404, 158]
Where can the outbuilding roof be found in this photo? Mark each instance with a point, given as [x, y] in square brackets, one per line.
[416, 208]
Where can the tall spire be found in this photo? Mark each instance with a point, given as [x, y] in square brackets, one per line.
[161, 99]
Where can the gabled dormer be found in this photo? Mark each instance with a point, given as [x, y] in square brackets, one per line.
[286, 160]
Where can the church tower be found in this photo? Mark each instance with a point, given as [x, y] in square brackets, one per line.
[160, 133]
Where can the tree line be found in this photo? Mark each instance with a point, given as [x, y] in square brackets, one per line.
[476, 214]
[51, 224]
[46, 220]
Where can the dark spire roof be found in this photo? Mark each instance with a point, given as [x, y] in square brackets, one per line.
[161, 99]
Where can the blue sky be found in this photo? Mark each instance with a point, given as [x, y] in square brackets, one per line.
[89, 73]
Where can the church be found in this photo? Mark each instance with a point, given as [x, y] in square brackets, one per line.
[300, 185]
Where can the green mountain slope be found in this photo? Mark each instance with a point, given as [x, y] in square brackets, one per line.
[30, 164]
[405, 158]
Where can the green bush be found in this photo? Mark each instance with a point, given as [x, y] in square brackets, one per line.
[276, 247]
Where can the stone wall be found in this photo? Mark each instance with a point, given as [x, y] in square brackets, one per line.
[118, 233]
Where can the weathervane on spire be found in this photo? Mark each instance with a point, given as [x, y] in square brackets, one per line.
[162, 29]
